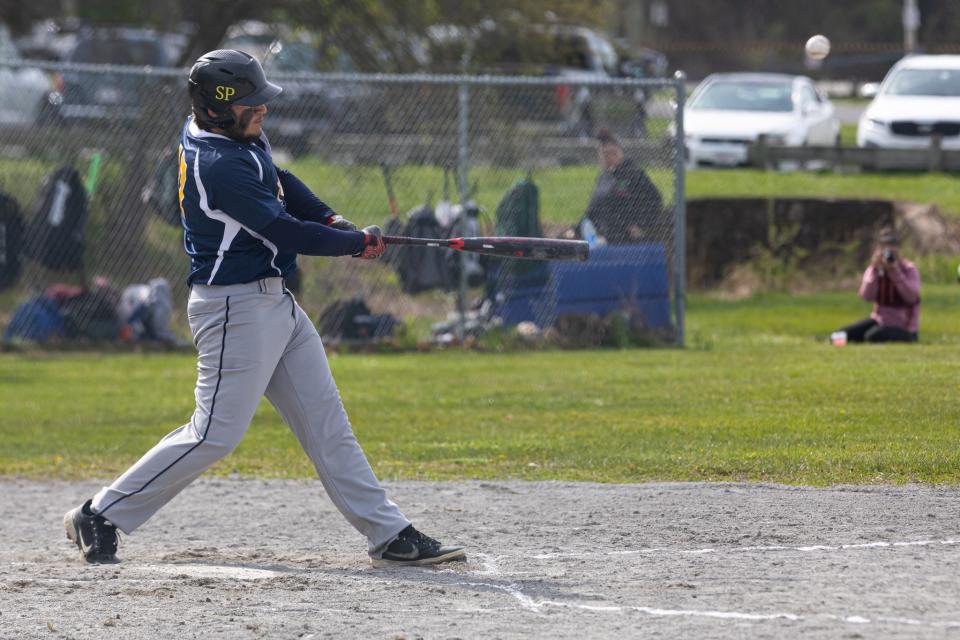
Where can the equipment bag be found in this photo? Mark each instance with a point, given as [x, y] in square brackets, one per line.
[90, 315]
[419, 269]
[518, 214]
[465, 224]
[11, 240]
[161, 193]
[55, 230]
[37, 319]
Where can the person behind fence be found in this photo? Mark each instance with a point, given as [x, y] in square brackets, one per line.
[252, 337]
[626, 206]
[892, 284]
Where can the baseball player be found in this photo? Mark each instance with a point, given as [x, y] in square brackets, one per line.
[245, 221]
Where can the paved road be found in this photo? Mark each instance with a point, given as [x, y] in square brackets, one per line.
[849, 113]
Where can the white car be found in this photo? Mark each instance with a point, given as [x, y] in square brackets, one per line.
[919, 97]
[23, 90]
[728, 111]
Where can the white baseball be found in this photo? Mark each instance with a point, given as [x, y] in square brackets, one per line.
[818, 47]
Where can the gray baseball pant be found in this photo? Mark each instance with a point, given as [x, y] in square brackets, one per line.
[254, 339]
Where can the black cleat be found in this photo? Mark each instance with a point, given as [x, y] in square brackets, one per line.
[96, 537]
[413, 548]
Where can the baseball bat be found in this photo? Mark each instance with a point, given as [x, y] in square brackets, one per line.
[505, 247]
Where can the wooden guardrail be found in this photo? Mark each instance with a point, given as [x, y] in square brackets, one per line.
[932, 158]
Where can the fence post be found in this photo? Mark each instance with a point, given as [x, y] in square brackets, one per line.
[680, 211]
[463, 187]
[763, 152]
[935, 157]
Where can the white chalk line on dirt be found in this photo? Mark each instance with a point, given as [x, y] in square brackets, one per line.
[732, 550]
[536, 606]
[530, 604]
[213, 571]
[489, 564]
[189, 570]
[514, 590]
[489, 568]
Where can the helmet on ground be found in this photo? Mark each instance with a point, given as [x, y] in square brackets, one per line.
[223, 78]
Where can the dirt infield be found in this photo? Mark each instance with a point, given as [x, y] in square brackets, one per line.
[236, 558]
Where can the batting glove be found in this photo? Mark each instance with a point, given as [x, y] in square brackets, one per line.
[337, 221]
[373, 246]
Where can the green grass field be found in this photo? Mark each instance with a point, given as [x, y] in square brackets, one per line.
[565, 191]
[848, 135]
[942, 189]
[757, 395]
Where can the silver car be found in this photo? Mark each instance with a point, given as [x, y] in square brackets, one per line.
[24, 90]
[730, 111]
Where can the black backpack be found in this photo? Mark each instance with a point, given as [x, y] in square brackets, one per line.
[420, 268]
[351, 320]
[55, 230]
[11, 240]
[162, 192]
[91, 315]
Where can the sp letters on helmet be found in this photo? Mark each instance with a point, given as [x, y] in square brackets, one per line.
[225, 94]
[223, 78]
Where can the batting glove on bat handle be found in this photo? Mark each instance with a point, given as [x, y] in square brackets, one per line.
[373, 246]
[340, 223]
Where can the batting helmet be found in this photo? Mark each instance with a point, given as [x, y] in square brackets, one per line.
[223, 78]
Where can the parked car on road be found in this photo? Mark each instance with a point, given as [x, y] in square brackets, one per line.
[50, 39]
[919, 98]
[307, 105]
[24, 90]
[114, 95]
[577, 55]
[728, 112]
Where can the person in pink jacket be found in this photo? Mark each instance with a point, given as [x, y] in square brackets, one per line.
[892, 284]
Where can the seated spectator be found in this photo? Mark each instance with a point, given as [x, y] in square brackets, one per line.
[625, 206]
[892, 283]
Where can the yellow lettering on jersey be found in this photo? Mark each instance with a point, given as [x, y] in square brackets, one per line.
[181, 175]
[225, 93]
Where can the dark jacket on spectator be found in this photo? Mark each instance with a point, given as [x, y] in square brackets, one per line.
[622, 198]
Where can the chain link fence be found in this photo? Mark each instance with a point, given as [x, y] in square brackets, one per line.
[92, 244]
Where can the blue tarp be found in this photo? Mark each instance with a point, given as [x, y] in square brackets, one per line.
[615, 278]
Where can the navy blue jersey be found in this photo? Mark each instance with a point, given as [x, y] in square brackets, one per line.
[229, 191]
